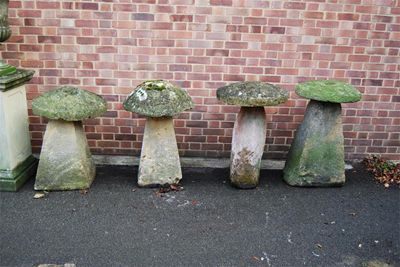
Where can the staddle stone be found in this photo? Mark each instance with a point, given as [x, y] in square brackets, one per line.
[65, 160]
[316, 156]
[158, 100]
[247, 147]
[249, 132]
[159, 159]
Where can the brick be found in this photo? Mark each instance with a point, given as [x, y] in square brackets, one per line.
[217, 52]
[106, 82]
[29, 13]
[87, 6]
[235, 61]
[372, 82]
[49, 39]
[221, 2]
[348, 16]
[256, 21]
[327, 24]
[143, 16]
[47, 5]
[182, 18]
[313, 15]
[236, 45]
[87, 40]
[294, 5]
[275, 30]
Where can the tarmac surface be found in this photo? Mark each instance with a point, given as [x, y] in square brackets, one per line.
[209, 223]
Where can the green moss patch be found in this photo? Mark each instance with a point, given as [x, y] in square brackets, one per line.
[328, 91]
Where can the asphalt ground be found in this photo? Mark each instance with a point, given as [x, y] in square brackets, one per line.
[208, 223]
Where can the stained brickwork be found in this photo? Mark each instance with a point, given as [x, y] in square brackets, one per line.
[109, 47]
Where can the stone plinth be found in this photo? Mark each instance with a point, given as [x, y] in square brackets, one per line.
[65, 160]
[159, 159]
[248, 143]
[316, 156]
[249, 132]
[17, 164]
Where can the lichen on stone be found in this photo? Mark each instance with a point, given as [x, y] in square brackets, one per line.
[156, 85]
[328, 91]
[158, 98]
[69, 104]
[252, 94]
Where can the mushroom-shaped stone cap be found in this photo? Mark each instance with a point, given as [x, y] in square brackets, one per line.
[328, 91]
[252, 94]
[158, 98]
[69, 104]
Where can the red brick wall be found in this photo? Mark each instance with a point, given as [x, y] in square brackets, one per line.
[111, 46]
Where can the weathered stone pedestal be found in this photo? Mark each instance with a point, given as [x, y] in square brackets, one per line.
[159, 101]
[159, 159]
[249, 132]
[17, 164]
[65, 159]
[248, 143]
[316, 156]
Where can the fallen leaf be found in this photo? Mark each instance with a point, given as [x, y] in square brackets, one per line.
[255, 258]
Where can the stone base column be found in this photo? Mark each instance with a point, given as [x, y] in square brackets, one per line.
[248, 143]
[17, 164]
[65, 160]
[316, 156]
[159, 159]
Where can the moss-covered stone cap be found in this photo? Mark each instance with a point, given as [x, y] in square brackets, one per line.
[328, 91]
[252, 94]
[69, 104]
[158, 98]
